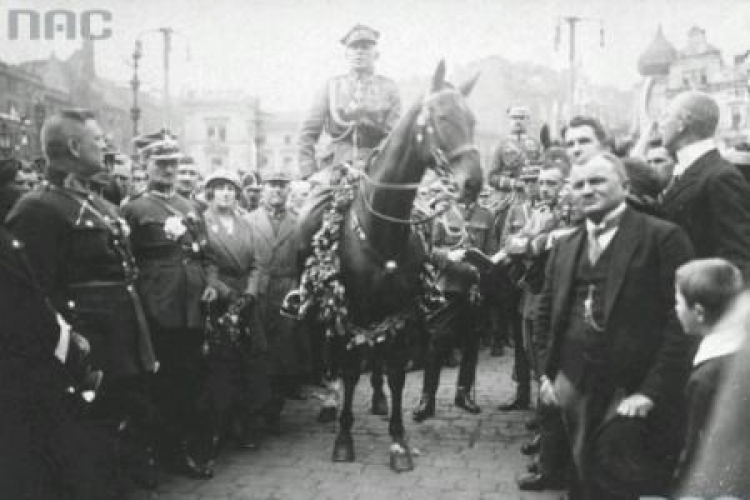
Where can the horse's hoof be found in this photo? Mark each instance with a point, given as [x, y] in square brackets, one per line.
[401, 458]
[327, 414]
[379, 404]
[343, 448]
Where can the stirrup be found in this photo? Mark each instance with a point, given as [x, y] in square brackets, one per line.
[290, 306]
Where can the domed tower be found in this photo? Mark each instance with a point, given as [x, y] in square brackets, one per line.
[658, 57]
[654, 65]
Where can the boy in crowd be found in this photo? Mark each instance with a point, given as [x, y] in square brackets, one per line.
[704, 291]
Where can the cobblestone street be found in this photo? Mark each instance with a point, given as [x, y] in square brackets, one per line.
[461, 456]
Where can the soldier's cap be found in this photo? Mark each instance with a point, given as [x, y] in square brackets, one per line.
[223, 174]
[278, 176]
[160, 145]
[360, 33]
[519, 111]
[251, 181]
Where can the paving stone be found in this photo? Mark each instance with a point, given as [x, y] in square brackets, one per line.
[461, 456]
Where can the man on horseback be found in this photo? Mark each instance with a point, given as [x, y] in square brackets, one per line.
[357, 111]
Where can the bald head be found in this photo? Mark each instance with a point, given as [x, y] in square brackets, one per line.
[691, 116]
[73, 142]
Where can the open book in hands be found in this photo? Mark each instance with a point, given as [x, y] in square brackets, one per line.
[482, 260]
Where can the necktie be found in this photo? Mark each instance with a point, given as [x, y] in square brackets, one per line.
[595, 247]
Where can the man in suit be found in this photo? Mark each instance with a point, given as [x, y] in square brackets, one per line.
[615, 346]
[707, 197]
[275, 243]
[584, 137]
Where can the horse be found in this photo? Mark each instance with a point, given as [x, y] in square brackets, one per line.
[381, 255]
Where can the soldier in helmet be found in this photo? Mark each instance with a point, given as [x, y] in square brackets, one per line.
[77, 245]
[168, 240]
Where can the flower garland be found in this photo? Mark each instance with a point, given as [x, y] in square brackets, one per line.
[321, 285]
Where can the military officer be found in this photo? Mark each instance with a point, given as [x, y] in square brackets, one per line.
[77, 245]
[168, 240]
[456, 321]
[357, 110]
[518, 149]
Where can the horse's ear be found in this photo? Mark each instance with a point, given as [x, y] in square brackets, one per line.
[438, 79]
[468, 85]
[544, 137]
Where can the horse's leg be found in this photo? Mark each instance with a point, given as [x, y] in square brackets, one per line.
[379, 401]
[401, 459]
[343, 449]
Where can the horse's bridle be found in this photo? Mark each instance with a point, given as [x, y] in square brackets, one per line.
[427, 133]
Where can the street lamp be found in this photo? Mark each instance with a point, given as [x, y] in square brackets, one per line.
[40, 113]
[135, 83]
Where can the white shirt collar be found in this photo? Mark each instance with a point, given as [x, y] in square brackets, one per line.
[615, 213]
[690, 154]
[728, 334]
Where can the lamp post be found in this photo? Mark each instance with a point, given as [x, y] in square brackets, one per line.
[135, 83]
[573, 22]
[40, 112]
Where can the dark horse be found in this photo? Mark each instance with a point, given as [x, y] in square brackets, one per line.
[381, 256]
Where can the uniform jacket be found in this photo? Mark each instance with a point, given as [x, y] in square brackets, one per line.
[515, 152]
[78, 249]
[372, 103]
[171, 277]
[646, 349]
[711, 202]
[461, 276]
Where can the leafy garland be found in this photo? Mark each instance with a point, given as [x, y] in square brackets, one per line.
[322, 287]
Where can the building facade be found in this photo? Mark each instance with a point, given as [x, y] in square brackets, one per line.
[699, 66]
[277, 143]
[219, 130]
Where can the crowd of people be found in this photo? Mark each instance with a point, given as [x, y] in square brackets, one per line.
[142, 305]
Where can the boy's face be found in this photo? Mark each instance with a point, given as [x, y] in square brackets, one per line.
[689, 317]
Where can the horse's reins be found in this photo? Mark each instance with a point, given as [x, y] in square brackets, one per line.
[441, 166]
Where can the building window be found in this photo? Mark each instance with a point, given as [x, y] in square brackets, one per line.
[216, 132]
[287, 162]
[287, 140]
[736, 118]
[217, 163]
[704, 78]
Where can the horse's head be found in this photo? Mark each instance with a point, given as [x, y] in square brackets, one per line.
[445, 134]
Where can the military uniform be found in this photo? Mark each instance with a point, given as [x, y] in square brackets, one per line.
[348, 108]
[515, 152]
[168, 242]
[77, 246]
[46, 450]
[456, 320]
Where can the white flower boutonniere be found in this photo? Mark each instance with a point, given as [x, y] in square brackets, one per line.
[174, 227]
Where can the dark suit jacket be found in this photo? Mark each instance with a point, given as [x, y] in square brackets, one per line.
[711, 202]
[646, 351]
